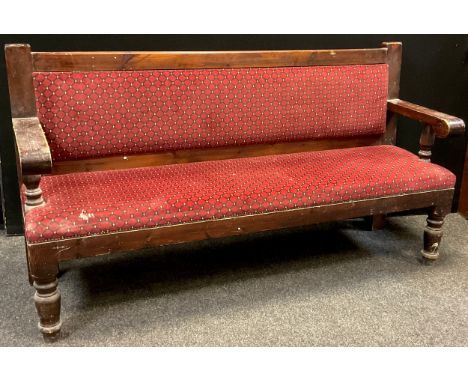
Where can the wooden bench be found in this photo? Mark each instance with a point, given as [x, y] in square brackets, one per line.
[120, 151]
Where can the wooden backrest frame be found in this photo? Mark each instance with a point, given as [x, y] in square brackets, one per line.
[93, 61]
[21, 63]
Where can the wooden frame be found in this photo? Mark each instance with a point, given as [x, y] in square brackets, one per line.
[442, 124]
[91, 61]
[34, 158]
[197, 155]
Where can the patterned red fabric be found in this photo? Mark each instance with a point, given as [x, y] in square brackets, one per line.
[83, 204]
[104, 113]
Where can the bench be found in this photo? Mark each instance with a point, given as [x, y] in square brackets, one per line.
[120, 151]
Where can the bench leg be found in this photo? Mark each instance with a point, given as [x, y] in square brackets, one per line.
[432, 236]
[378, 222]
[47, 300]
[375, 222]
[44, 272]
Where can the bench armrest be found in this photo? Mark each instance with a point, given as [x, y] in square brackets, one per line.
[32, 147]
[442, 124]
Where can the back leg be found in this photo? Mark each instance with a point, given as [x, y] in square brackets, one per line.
[375, 222]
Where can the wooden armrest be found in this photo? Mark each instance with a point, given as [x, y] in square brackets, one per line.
[32, 148]
[442, 124]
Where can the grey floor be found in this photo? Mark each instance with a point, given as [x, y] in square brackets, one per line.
[334, 284]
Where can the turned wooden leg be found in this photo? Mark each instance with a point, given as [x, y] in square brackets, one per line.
[426, 141]
[44, 271]
[47, 300]
[33, 192]
[432, 236]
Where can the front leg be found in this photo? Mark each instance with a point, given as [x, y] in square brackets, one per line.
[432, 236]
[44, 271]
[47, 300]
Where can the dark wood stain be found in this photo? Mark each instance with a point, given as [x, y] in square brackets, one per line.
[92, 61]
[442, 124]
[197, 155]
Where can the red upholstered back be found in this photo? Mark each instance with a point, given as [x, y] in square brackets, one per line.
[105, 113]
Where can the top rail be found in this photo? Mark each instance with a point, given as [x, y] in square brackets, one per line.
[95, 61]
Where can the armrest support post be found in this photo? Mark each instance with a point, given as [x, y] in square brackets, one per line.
[33, 192]
[426, 141]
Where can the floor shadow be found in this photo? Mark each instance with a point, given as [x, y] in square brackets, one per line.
[171, 269]
[325, 256]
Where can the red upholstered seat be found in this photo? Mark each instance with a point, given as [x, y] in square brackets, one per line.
[84, 204]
